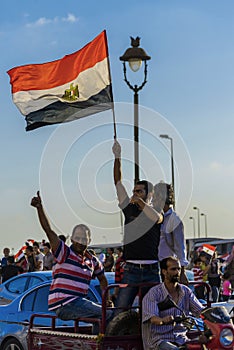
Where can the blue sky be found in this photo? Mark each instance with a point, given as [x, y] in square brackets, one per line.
[188, 94]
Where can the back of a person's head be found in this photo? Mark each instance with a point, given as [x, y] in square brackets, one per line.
[226, 275]
[165, 192]
[11, 259]
[197, 260]
[29, 248]
[63, 238]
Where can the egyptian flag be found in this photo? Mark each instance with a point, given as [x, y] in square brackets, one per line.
[208, 249]
[70, 88]
[19, 255]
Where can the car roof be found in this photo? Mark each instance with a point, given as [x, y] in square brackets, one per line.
[46, 274]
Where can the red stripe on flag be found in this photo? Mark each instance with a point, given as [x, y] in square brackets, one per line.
[51, 74]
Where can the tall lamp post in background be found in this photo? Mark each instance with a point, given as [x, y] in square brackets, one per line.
[134, 56]
[198, 221]
[164, 136]
[192, 218]
[205, 216]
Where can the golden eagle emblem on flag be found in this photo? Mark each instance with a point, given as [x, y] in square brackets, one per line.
[71, 94]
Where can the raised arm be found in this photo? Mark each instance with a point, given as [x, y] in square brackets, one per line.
[52, 236]
[121, 191]
[117, 163]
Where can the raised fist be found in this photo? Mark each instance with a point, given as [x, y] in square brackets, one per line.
[116, 149]
[36, 201]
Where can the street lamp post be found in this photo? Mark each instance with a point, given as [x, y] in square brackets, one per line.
[205, 216]
[134, 56]
[163, 136]
[194, 230]
[198, 221]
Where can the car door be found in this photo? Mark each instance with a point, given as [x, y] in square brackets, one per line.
[36, 302]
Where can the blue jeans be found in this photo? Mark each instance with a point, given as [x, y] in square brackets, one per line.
[133, 275]
[81, 307]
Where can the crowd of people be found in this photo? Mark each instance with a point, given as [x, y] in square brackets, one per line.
[206, 268]
[35, 256]
[153, 251]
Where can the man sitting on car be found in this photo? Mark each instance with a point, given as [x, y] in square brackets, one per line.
[75, 267]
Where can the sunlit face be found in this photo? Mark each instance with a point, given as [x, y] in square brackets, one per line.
[139, 191]
[172, 273]
[80, 240]
[35, 249]
[46, 249]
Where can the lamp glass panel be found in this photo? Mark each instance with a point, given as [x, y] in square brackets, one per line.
[135, 64]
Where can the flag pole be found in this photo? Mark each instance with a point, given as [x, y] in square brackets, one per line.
[111, 91]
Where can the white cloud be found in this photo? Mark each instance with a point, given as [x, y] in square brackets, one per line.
[70, 18]
[42, 21]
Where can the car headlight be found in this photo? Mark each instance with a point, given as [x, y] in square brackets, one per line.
[226, 337]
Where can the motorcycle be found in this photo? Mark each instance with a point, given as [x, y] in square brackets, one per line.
[215, 333]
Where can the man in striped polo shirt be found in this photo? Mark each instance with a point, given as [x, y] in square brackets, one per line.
[158, 331]
[73, 271]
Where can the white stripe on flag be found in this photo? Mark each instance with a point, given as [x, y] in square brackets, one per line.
[90, 82]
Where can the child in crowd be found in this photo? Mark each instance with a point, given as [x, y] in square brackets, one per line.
[226, 287]
[198, 277]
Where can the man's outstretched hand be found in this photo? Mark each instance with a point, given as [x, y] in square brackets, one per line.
[36, 201]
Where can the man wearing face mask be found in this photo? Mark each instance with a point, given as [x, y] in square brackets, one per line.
[75, 267]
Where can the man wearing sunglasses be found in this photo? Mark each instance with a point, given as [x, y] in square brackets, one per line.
[141, 234]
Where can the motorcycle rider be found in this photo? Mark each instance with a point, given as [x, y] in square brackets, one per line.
[158, 331]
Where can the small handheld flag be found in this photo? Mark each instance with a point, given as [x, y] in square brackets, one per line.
[208, 249]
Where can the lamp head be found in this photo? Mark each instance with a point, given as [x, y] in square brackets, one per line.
[164, 136]
[135, 55]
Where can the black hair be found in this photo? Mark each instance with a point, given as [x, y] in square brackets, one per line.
[30, 248]
[197, 260]
[226, 275]
[148, 185]
[47, 244]
[36, 244]
[63, 238]
[163, 264]
[11, 259]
